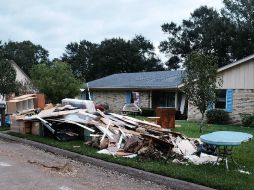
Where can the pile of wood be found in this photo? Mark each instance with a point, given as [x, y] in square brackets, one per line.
[116, 134]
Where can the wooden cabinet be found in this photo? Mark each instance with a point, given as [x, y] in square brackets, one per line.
[21, 103]
[167, 116]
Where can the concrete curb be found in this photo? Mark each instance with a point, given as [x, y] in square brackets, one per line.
[159, 179]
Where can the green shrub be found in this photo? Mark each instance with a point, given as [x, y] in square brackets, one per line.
[217, 116]
[247, 119]
[147, 112]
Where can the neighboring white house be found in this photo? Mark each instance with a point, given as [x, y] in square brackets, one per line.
[20, 75]
[22, 78]
[236, 95]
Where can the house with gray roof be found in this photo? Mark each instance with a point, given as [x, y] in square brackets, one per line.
[147, 89]
[162, 89]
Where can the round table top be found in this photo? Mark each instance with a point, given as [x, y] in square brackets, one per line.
[225, 138]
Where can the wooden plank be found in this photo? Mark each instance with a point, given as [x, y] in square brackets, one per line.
[104, 134]
[82, 126]
[142, 122]
[123, 118]
[103, 129]
[49, 113]
[122, 123]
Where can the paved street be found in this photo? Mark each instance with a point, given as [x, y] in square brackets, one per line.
[25, 168]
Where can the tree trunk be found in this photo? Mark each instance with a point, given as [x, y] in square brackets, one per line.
[3, 118]
[202, 123]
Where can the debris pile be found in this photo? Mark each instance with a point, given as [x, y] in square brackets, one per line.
[113, 134]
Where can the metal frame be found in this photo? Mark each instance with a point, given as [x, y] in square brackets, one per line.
[223, 153]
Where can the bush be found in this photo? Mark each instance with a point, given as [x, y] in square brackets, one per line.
[217, 116]
[147, 112]
[247, 119]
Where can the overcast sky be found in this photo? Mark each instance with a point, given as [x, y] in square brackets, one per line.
[55, 23]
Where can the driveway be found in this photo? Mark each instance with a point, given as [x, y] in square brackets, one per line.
[26, 168]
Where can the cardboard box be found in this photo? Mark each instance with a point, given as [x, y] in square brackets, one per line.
[25, 127]
[36, 128]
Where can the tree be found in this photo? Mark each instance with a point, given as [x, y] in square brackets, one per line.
[205, 30]
[80, 57]
[200, 81]
[240, 14]
[7, 78]
[25, 54]
[91, 61]
[226, 34]
[56, 81]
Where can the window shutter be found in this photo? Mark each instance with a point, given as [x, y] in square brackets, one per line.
[229, 100]
[128, 98]
[210, 106]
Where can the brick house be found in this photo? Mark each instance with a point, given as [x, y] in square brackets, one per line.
[148, 89]
[161, 88]
[236, 95]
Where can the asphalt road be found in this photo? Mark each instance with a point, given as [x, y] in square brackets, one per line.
[26, 168]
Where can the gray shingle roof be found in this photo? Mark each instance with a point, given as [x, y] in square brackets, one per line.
[141, 80]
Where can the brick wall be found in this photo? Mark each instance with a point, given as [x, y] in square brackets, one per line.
[116, 99]
[243, 102]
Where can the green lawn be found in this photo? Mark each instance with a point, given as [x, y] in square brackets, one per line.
[212, 176]
[4, 128]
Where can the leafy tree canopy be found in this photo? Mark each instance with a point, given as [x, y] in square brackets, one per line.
[226, 34]
[25, 54]
[7, 77]
[91, 61]
[56, 81]
[80, 57]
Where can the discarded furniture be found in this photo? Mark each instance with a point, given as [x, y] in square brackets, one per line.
[167, 117]
[131, 108]
[82, 104]
[18, 125]
[40, 102]
[225, 141]
[154, 119]
[25, 103]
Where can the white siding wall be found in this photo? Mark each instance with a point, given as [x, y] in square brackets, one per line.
[239, 77]
[21, 77]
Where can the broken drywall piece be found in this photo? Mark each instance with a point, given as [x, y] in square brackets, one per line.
[244, 172]
[104, 151]
[202, 159]
[186, 147]
[131, 156]
[177, 151]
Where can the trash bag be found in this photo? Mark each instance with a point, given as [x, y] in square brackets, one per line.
[207, 149]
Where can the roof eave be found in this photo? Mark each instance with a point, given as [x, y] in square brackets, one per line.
[236, 63]
[133, 88]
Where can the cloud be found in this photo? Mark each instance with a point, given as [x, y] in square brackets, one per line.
[54, 24]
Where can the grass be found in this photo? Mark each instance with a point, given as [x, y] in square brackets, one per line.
[5, 128]
[212, 176]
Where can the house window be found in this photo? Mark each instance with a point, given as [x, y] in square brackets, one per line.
[163, 99]
[220, 102]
